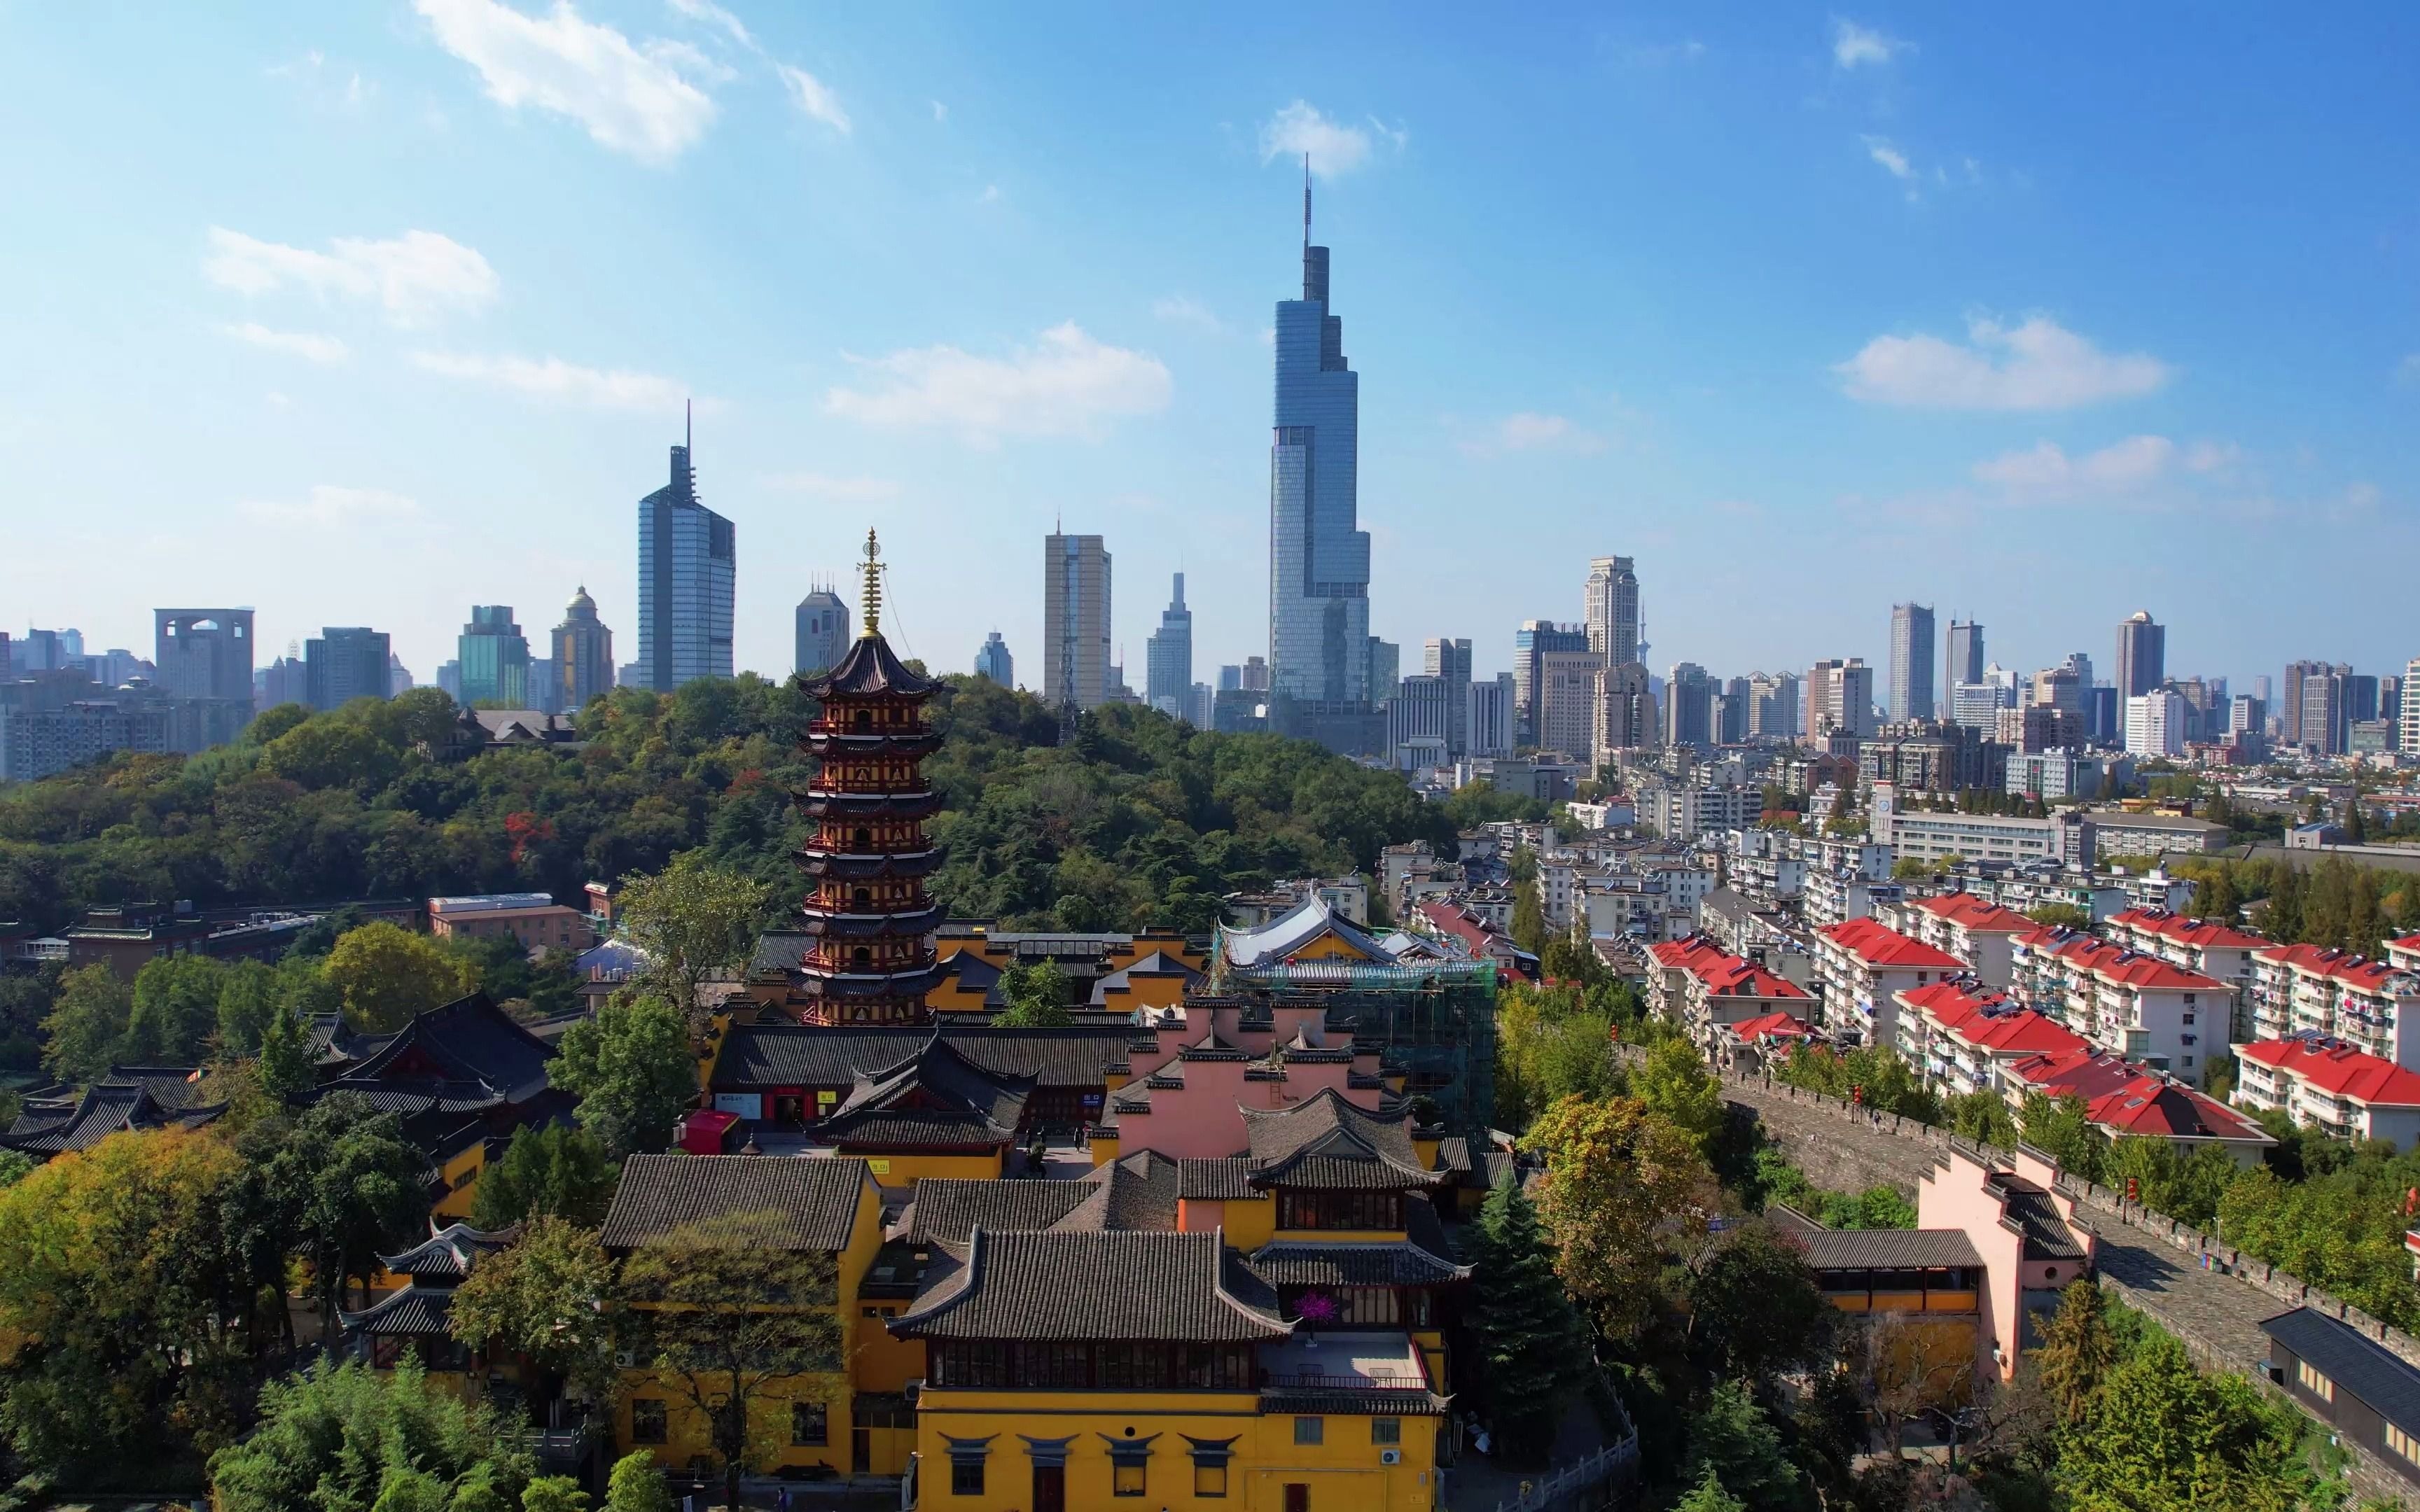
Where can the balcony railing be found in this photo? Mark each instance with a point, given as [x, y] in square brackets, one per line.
[1312, 1380]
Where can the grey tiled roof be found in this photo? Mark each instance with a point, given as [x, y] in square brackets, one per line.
[415, 1311]
[936, 1096]
[1312, 1401]
[1079, 1286]
[1137, 1192]
[1215, 1181]
[784, 1055]
[2385, 1384]
[449, 1254]
[1887, 1249]
[950, 1209]
[814, 1198]
[1326, 1142]
[2046, 1234]
[1288, 1263]
[103, 1110]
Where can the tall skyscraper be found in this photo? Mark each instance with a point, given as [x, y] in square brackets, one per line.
[200, 652]
[1965, 659]
[2407, 720]
[822, 628]
[494, 657]
[1490, 717]
[2142, 656]
[1168, 656]
[1613, 610]
[2320, 715]
[1319, 557]
[1772, 706]
[1074, 621]
[1911, 661]
[1449, 659]
[687, 567]
[993, 661]
[345, 663]
[1386, 669]
[583, 663]
[1531, 644]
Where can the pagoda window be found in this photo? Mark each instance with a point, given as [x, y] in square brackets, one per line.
[863, 839]
[860, 957]
[1378, 1211]
[861, 896]
[865, 719]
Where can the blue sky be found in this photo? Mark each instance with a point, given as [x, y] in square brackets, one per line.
[2039, 315]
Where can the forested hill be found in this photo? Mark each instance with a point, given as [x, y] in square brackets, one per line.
[1145, 821]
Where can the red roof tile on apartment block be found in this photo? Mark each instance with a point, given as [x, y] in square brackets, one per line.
[1969, 912]
[2334, 965]
[1987, 1021]
[2202, 934]
[1773, 1026]
[1878, 945]
[2155, 1107]
[1724, 974]
[1689, 951]
[1461, 925]
[2133, 968]
[2084, 1072]
[2339, 1069]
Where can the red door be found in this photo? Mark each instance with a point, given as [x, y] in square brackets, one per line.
[1050, 1488]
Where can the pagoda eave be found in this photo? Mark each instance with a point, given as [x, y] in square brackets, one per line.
[860, 985]
[829, 743]
[870, 926]
[823, 864]
[817, 803]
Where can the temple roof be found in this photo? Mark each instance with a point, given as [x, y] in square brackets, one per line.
[1326, 1142]
[868, 671]
[933, 1096]
[1177, 1287]
[812, 1202]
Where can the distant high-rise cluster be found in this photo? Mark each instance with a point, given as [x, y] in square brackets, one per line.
[993, 661]
[822, 630]
[1168, 657]
[1074, 621]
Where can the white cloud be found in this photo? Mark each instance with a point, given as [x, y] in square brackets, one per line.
[1527, 431]
[1068, 384]
[412, 276]
[631, 99]
[838, 490]
[1881, 152]
[328, 507]
[2046, 468]
[811, 95]
[2409, 369]
[557, 380]
[1335, 149]
[990, 195]
[1854, 45]
[941, 112]
[2037, 365]
[714, 15]
[304, 344]
[1185, 310]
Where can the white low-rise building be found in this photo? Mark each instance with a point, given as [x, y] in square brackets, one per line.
[1863, 968]
[2367, 1004]
[2331, 1086]
[1976, 932]
[2167, 1017]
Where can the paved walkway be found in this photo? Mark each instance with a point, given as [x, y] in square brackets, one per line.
[1477, 1483]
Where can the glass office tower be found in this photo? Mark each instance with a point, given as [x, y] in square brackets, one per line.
[1319, 560]
[688, 561]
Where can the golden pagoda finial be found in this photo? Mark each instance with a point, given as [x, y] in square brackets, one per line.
[873, 605]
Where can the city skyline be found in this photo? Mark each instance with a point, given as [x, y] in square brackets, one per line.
[1991, 357]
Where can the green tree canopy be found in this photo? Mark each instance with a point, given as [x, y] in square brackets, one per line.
[1532, 1362]
[557, 1171]
[543, 1298]
[87, 1023]
[633, 1070]
[385, 973]
[349, 1438]
[693, 918]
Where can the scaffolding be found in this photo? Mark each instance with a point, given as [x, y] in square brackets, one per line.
[1434, 1019]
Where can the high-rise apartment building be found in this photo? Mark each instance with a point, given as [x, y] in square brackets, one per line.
[1319, 557]
[1534, 642]
[1839, 695]
[993, 661]
[582, 664]
[1074, 621]
[199, 653]
[1489, 718]
[1613, 610]
[287, 680]
[2156, 723]
[821, 630]
[1168, 657]
[1419, 719]
[1772, 706]
[1964, 661]
[1689, 695]
[1622, 713]
[494, 659]
[343, 664]
[1449, 659]
[1911, 661]
[2407, 720]
[1566, 698]
[687, 570]
[2321, 718]
[1253, 676]
[2142, 656]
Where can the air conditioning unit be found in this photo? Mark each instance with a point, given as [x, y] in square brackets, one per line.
[1390, 1457]
[627, 1359]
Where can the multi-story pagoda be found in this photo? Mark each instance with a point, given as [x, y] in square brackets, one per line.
[871, 923]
